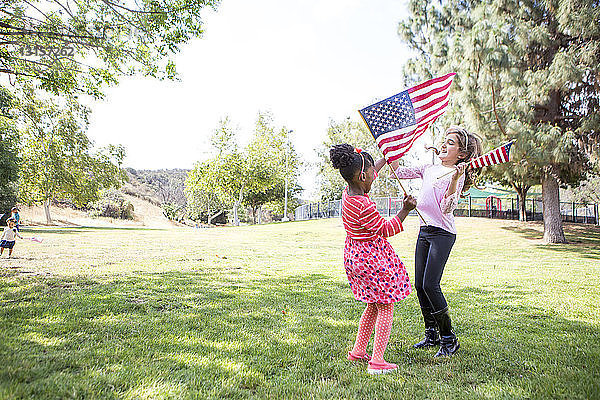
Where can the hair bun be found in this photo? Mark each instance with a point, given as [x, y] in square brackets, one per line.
[341, 155]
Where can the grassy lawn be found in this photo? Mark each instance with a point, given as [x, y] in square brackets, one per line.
[266, 312]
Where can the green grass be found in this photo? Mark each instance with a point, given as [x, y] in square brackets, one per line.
[266, 312]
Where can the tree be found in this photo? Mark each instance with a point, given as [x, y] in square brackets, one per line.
[223, 139]
[588, 191]
[202, 198]
[253, 176]
[227, 177]
[8, 167]
[56, 156]
[288, 172]
[218, 183]
[8, 152]
[82, 45]
[528, 66]
[330, 182]
[272, 159]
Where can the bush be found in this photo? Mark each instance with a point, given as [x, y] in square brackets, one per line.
[114, 205]
[174, 212]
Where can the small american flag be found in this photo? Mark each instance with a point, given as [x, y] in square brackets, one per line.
[398, 121]
[496, 156]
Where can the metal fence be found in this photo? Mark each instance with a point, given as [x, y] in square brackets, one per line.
[488, 207]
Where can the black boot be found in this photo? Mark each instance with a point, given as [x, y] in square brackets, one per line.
[448, 341]
[431, 336]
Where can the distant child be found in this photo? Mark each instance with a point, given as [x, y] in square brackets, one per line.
[8, 236]
[15, 215]
[376, 274]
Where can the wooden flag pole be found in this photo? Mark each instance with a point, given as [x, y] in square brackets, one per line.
[386, 161]
[404, 190]
[448, 173]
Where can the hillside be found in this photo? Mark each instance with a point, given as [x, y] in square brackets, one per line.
[157, 186]
[151, 192]
[146, 214]
[147, 190]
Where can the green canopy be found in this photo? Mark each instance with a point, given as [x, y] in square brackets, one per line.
[474, 192]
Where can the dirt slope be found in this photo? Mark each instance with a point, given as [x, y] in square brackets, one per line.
[146, 215]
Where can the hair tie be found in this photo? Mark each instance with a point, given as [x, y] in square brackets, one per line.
[358, 150]
[362, 161]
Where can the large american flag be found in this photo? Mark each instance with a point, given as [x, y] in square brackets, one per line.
[398, 121]
[496, 156]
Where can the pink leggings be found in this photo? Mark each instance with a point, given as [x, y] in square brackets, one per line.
[380, 317]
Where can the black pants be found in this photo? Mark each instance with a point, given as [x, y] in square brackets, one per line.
[433, 248]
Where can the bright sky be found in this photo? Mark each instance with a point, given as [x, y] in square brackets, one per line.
[305, 61]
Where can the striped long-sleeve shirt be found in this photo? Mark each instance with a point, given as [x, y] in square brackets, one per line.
[362, 220]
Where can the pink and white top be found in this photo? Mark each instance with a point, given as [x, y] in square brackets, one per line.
[432, 203]
[362, 220]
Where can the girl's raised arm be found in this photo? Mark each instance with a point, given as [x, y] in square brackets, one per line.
[381, 163]
[409, 172]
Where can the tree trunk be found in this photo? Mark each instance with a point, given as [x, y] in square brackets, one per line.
[522, 208]
[236, 220]
[211, 217]
[259, 215]
[553, 228]
[522, 193]
[47, 211]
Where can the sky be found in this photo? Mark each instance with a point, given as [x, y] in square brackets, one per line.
[306, 62]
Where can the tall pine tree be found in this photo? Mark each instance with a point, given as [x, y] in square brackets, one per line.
[526, 70]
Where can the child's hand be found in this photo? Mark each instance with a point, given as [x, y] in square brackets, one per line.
[460, 169]
[410, 203]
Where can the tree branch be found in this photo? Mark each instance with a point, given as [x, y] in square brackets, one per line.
[109, 4]
[38, 10]
[21, 17]
[495, 112]
[47, 34]
[65, 8]
[145, 12]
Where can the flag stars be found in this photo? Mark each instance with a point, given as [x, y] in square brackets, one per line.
[391, 114]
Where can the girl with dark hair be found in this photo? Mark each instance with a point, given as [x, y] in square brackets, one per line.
[437, 200]
[376, 274]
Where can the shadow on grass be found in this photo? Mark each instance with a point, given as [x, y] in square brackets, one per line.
[186, 335]
[582, 239]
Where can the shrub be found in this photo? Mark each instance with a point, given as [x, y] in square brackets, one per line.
[114, 205]
[174, 212]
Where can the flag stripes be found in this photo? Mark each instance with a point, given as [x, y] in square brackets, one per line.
[497, 156]
[398, 121]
